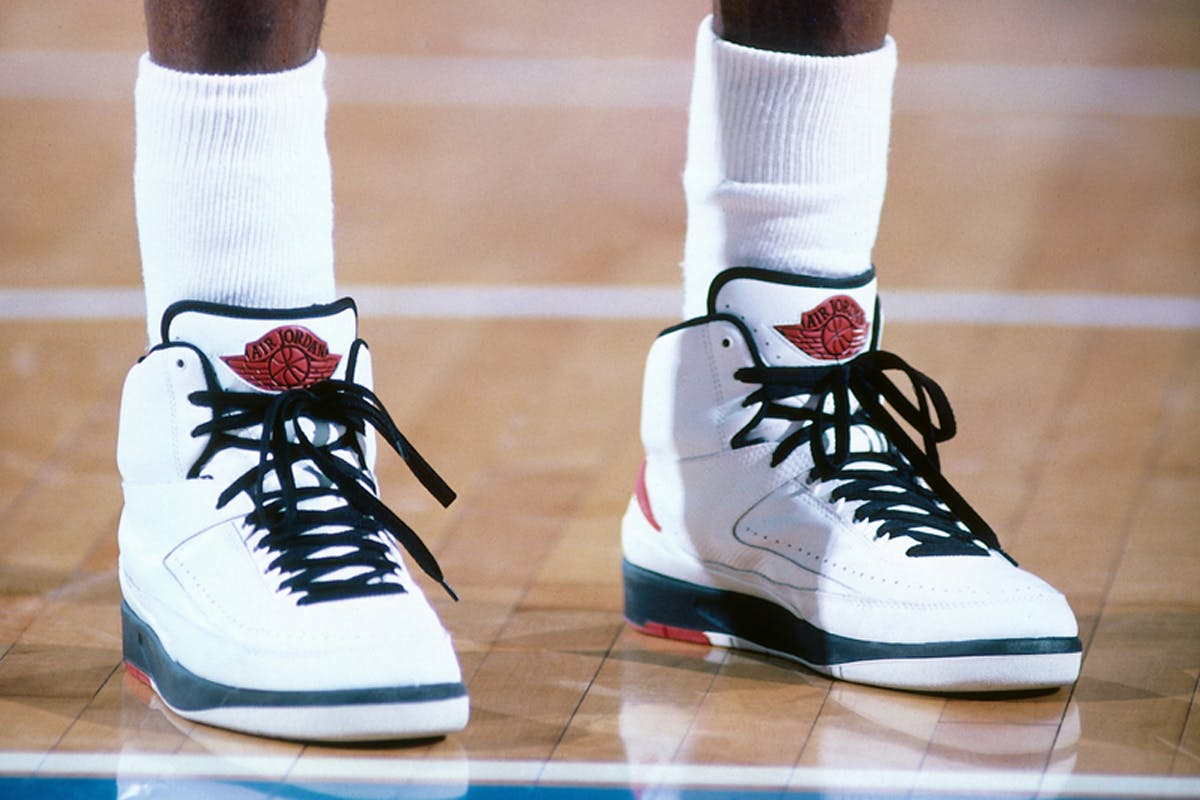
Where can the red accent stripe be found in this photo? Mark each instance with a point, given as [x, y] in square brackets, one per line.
[669, 632]
[639, 491]
[137, 673]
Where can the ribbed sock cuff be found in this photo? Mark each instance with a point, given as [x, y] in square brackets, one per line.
[233, 187]
[787, 161]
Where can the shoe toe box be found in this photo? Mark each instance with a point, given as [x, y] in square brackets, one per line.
[222, 618]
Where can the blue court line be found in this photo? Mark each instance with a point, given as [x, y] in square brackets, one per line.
[203, 775]
[107, 789]
[61, 788]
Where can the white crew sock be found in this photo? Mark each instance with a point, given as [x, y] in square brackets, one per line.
[787, 161]
[233, 188]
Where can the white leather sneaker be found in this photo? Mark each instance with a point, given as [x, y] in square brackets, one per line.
[264, 589]
[783, 508]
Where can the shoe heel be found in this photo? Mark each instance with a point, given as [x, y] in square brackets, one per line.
[133, 649]
[660, 606]
[663, 606]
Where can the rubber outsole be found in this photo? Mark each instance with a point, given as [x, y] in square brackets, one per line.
[359, 714]
[664, 606]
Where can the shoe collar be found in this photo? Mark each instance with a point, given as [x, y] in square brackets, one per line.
[800, 321]
[267, 350]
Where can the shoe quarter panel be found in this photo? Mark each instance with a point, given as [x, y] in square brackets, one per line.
[154, 439]
[693, 408]
[692, 405]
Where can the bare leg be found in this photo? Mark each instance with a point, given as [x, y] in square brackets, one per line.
[233, 37]
[808, 27]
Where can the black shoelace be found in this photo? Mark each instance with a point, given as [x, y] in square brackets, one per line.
[311, 544]
[901, 486]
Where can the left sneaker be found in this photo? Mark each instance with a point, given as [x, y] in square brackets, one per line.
[263, 583]
[782, 506]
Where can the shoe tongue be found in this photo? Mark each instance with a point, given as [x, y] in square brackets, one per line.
[797, 321]
[267, 350]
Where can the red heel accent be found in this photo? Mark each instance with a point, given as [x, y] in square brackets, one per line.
[137, 673]
[669, 632]
[643, 499]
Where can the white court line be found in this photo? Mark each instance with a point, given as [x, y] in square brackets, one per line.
[639, 83]
[531, 302]
[580, 773]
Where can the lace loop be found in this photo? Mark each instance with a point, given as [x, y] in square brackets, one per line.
[828, 419]
[300, 536]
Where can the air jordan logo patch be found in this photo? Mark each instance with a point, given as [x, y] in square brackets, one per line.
[288, 357]
[835, 330]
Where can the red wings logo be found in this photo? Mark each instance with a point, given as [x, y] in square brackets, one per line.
[833, 331]
[285, 358]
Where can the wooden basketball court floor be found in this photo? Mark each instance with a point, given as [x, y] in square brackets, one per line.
[510, 218]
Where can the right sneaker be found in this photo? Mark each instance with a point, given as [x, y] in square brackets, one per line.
[263, 583]
[782, 506]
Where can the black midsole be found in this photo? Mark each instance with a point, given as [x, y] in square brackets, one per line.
[651, 598]
[185, 691]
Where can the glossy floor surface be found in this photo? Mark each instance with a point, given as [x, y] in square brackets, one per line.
[1039, 256]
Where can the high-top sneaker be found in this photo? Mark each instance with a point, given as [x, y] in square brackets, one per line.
[783, 507]
[263, 583]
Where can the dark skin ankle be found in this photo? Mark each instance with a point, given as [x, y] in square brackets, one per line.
[233, 37]
[255, 36]
[807, 27]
